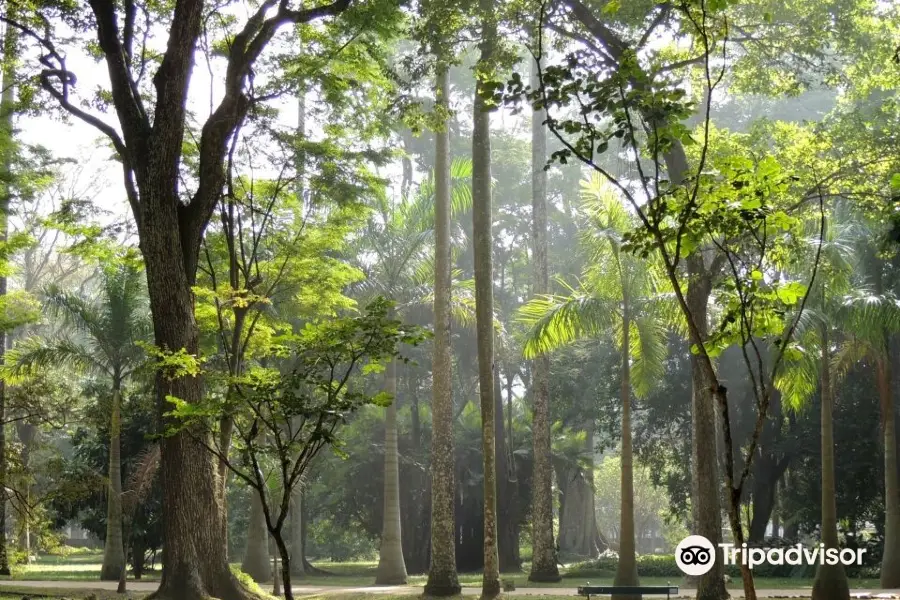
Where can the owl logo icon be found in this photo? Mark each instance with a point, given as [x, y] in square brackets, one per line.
[695, 555]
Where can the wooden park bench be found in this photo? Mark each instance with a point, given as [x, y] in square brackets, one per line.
[641, 590]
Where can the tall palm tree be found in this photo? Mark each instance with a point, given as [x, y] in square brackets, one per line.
[544, 556]
[482, 221]
[806, 372]
[871, 316]
[398, 260]
[620, 296]
[443, 579]
[100, 336]
[7, 110]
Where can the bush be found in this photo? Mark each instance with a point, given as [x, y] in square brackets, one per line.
[64, 551]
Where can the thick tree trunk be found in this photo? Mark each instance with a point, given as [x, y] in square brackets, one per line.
[831, 580]
[544, 565]
[7, 99]
[138, 557]
[626, 571]
[391, 566]
[706, 491]
[298, 554]
[195, 549]
[442, 577]
[114, 549]
[763, 505]
[704, 448]
[578, 532]
[482, 245]
[890, 563]
[256, 562]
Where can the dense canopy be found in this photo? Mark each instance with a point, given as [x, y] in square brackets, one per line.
[402, 292]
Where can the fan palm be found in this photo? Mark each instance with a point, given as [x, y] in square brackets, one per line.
[620, 296]
[398, 258]
[100, 336]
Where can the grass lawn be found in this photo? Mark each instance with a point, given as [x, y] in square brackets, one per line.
[86, 567]
[75, 567]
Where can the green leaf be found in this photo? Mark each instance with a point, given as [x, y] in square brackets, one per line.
[791, 292]
[895, 182]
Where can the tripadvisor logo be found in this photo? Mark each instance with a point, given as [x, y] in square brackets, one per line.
[696, 555]
[794, 555]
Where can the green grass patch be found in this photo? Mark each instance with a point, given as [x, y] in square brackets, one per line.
[75, 567]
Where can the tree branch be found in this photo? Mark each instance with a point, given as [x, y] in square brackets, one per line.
[245, 50]
[127, 101]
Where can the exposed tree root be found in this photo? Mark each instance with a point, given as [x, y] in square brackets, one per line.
[228, 589]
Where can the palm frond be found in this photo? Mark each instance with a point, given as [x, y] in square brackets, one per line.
[870, 315]
[798, 378]
[35, 353]
[554, 321]
[73, 310]
[848, 354]
[141, 480]
[649, 350]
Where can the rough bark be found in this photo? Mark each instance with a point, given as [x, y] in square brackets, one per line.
[890, 563]
[626, 571]
[544, 565]
[578, 531]
[706, 491]
[114, 549]
[391, 566]
[704, 451]
[482, 220]
[194, 558]
[6, 144]
[442, 576]
[831, 580]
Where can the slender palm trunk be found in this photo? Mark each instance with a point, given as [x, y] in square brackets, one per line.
[391, 567]
[6, 146]
[544, 558]
[442, 576]
[890, 563]
[114, 549]
[484, 298]
[626, 572]
[831, 580]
